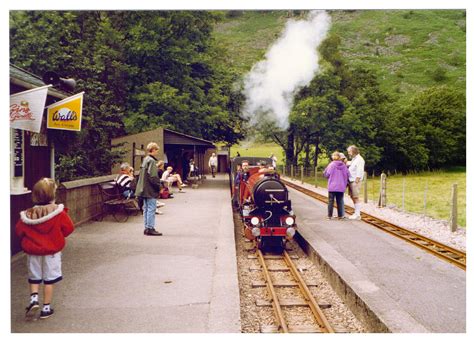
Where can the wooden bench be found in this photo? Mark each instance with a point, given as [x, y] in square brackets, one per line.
[114, 203]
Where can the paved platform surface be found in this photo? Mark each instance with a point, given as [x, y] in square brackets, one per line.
[408, 289]
[118, 280]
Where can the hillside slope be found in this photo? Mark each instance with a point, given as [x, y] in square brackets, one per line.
[409, 50]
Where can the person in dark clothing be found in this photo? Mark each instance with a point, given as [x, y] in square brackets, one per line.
[237, 180]
[338, 175]
[245, 170]
[148, 188]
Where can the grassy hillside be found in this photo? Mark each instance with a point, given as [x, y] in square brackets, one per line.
[248, 36]
[408, 49]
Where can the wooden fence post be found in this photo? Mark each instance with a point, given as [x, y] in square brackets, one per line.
[365, 188]
[373, 186]
[453, 221]
[383, 190]
[292, 172]
[283, 169]
[316, 176]
[302, 174]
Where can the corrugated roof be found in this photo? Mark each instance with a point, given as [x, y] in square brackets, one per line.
[185, 136]
[173, 137]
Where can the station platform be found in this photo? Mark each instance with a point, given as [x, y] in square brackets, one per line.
[389, 284]
[118, 280]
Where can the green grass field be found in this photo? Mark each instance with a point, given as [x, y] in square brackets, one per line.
[263, 150]
[437, 185]
[438, 194]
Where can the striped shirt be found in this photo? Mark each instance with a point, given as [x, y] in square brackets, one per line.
[124, 180]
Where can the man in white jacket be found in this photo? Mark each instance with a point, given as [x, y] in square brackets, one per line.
[213, 164]
[356, 174]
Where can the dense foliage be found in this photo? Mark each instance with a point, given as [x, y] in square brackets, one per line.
[139, 70]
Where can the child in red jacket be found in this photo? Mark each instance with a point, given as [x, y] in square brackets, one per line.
[42, 230]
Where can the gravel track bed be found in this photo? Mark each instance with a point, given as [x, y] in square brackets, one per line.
[253, 317]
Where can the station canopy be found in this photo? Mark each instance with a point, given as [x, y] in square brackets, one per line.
[174, 138]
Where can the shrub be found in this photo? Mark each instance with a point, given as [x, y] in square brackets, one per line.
[439, 74]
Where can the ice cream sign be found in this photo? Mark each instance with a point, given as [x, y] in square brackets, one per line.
[66, 114]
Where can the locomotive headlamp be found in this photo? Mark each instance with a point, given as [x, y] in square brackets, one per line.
[256, 231]
[290, 232]
[254, 221]
[289, 221]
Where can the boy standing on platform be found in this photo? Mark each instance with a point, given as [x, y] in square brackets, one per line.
[148, 188]
[43, 229]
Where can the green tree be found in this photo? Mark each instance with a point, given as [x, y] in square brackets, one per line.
[174, 51]
[88, 49]
[440, 116]
[139, 69]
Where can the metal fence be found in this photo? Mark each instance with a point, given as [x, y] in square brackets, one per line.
[378, 189]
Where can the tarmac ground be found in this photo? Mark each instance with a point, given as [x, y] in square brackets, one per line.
[390, 284]
[118, 280]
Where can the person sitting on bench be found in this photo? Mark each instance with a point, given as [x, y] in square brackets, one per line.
[125, 181]
[168, 177]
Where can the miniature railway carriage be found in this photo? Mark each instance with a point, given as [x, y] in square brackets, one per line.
[263, 202]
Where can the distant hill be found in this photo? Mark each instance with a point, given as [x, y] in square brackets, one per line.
[409, 50]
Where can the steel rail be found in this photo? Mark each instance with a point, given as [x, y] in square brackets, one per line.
[275, 302]
[313, 304]
[442, 251]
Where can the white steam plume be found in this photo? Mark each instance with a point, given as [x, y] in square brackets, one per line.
[289, 64]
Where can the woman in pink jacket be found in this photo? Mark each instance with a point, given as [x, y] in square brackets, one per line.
[338, 175]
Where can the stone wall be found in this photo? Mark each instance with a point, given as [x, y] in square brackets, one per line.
[82, 198]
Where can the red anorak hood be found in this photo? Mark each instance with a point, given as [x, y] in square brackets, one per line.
[43, 229]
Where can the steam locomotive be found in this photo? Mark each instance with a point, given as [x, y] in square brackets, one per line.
[263, 202]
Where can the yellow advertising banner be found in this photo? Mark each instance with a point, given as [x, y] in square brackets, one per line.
[66, 114]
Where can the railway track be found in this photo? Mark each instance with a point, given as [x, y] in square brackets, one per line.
[321, 326]
[444, 252]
